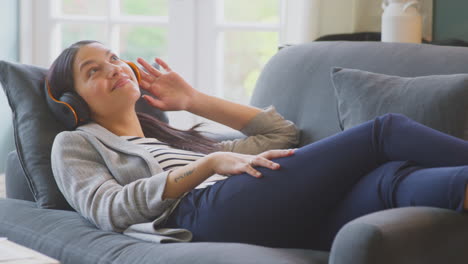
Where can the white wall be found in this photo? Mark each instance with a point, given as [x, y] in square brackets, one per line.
[307, 20]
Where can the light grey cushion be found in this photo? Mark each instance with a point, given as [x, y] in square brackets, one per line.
[35, 128]
[437, 101]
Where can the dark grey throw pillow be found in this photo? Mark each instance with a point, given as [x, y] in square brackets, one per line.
[437, 101]
[35, 129]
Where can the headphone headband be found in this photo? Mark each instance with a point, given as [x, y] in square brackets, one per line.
[135, 69]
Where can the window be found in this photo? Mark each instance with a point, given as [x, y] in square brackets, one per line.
[137, 28]
[248, 36]
[218, 46]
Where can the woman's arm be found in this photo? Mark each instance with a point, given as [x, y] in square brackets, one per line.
[173, 93]
[265, 128]
[228, 113]
[186, 178]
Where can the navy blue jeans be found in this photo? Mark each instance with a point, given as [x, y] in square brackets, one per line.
[388, 162]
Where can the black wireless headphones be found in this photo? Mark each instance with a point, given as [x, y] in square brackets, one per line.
[70, 108]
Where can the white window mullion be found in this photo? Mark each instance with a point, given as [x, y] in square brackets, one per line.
[56, 36]
[148, 20]
[55, 30]
[282, 16]
[181, 34]
[113, 36]
[182, 50]
[219, 47]
[26, 32]
[43, 33]
[248, 26]
[218, 52]
[80, 19]
[206, 69]
[113, 29]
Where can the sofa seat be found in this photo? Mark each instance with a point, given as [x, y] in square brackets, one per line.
[72, 239]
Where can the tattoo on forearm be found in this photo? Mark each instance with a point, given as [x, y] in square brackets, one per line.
[185, 174]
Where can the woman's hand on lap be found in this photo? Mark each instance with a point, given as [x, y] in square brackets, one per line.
[172, 92]
[229, 163]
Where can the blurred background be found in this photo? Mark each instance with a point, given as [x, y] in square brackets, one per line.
[218, 46]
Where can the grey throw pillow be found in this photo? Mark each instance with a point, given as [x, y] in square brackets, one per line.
[35, 129]
[437, 101]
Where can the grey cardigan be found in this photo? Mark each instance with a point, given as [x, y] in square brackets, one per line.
[118, 185]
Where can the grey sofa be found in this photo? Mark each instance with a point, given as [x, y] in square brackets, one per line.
[297, 82]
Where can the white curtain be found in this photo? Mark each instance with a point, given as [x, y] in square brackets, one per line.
[306, 20]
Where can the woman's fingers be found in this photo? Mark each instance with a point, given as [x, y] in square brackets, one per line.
[144, 75]
[144, 84]
[250, 170]
[153, 102]
[153, 71]
[163, 64]
[277, 153]
[261, 161]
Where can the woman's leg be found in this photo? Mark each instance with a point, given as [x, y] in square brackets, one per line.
[286, 208]
[398, 184]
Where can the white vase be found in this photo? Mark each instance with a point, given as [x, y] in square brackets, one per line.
[401, 21]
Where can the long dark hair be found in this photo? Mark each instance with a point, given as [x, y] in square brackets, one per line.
[61, 80]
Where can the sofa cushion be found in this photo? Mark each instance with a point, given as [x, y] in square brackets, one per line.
[35, 129]
[437, 101]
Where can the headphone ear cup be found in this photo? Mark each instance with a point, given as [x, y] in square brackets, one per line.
[135, 69]
[70, 109]
[79, 106]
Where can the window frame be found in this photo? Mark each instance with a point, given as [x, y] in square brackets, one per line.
[195, 42]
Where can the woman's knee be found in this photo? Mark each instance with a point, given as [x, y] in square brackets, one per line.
[393, 117]
[392, 121]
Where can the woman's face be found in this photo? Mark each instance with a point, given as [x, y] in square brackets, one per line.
[105, 82]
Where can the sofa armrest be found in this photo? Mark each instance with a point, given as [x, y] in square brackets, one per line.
[17, 186]
[403, 235]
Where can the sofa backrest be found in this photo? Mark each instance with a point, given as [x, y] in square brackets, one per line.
[297, 80]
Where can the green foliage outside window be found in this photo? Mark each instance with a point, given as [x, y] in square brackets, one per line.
[245, 55]
[265, 11]
[145, 7]
[145, 42]
[73, 32]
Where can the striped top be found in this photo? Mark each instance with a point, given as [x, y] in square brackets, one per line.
[170, 158]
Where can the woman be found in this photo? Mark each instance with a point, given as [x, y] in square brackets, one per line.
[122, 168]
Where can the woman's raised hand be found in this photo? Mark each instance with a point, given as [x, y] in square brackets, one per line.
[172, 92]
[229, 163]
